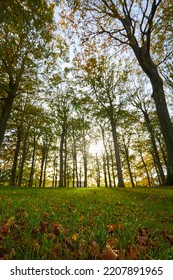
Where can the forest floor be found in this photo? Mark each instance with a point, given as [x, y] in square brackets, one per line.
[92, 223]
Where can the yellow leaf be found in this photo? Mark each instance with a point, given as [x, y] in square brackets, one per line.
[74, 236]
[10, 221]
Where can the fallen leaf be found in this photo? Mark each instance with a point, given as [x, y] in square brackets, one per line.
[169, 238]
[133, 252]
[94, 250]
[57, 228]
[142, 240]
[56, 251]
[45, 215]
[10, 221]
[81, 218]
[52, 236]
[113, 243]
[44, 227]
[109, 253]
[35, 245]
[114, 227]
[74, 237]
[4, 229]
[35, 231]
[143, 231]
[82, 247]
[154, 243]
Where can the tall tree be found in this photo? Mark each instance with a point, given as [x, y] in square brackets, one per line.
[26, 28]
[136, 24]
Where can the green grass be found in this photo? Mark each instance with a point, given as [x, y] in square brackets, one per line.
[78, 223]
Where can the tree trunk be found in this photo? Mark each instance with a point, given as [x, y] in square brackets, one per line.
[6, 111]
[13, 171]
[61, 157]
[150, 68]
[42, 165]
[85, 160]
[32, 164]
[45, 165]
[128, 165]
[23, 158]
[155, 150]
[98, 171]
[104, 172]
[113, 171]
[117, 154]
[146, 169]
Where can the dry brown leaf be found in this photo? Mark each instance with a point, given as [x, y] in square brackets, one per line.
[82, 247]
[56, 251]
[43, 227]
[52, 236]
[109, 253]
[45, 215]
[133, 252]
[142, 240]
[94, 250]
[143, 231]
[169, 238]
[113, 243]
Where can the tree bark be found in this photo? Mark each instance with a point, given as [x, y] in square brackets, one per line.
[146, 169]
[85, 160]
[149, 67]
[32, 164]
[13, 170]
[155, 150]
[5, 115]
[23, 158]
[117, 154]
[128, 165]
[61, 157]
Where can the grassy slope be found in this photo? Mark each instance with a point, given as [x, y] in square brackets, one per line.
[77, 223]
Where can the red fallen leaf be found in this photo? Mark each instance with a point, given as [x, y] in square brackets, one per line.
[4, 229]
[114, 227]
[44, 227]
[109, 253]
[57, 228]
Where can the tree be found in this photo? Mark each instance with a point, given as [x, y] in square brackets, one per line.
[26, 29]
[106, 86]
[136, 24]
